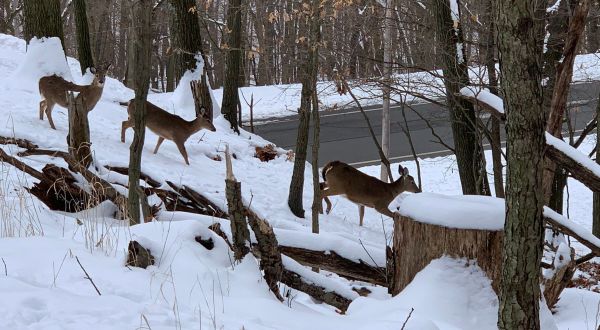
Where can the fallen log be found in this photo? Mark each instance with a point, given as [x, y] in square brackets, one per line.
[333, 262]
[199, 201]
[125, 171]
[98, 185]
[581, 173]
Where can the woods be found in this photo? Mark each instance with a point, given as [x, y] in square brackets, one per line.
[491, 104]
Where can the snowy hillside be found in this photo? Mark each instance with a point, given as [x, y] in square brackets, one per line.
[44, 253]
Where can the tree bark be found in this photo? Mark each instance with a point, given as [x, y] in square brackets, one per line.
[309, 83]
[467, 146]
[231, 98]
[186, 36]
[317, 203]
[79, 131]
[520, 38]
[142, 47]
[433, 241]
[236, 210]
[42, 19]
[84, 50]
[596, 197]
[387, 72]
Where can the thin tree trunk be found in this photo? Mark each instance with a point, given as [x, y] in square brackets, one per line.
[231, 99]
[387, 71]
[596, 198]
[84, 50]
[142, 48]
[468, 149]
[309, 82]
[317, 203]
[495, 142]
[520, 38]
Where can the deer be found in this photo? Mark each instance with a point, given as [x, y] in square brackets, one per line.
[53, 90]
[362, 189]
[169, 126]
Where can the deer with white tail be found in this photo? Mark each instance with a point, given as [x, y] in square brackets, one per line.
[362, 189]
[169, 126]
[53, 90]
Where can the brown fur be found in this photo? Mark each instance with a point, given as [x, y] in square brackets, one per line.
[53, 90]
[362, 189]
[168, 126]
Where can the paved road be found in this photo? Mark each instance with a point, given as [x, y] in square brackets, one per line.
[345, 136]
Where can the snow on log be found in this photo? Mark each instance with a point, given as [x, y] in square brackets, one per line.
[485, 99]
[571, 228]
[581, 167]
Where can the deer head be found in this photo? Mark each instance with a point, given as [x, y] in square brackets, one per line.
[204, 121]
[100, 74]
[405, 182]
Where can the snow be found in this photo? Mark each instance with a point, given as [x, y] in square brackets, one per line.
[484, 95]
[189, 286]
[462, 211]
[554, 7]
[573, 153]
[577, 229]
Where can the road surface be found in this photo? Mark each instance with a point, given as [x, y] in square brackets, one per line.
[345, 135]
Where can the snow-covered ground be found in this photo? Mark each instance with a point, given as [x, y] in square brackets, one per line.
[42, 285]
[283, 100]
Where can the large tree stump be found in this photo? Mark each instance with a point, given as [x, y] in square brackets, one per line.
[79, 131]
[416, 244]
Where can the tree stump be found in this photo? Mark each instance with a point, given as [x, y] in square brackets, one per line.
[79, 131]
[416, 244]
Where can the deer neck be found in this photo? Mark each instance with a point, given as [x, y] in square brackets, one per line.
[195, 125]
[397, 186]
[91, 95]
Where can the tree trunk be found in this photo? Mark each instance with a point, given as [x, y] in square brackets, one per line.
[387, 71]
[596, 198]
[467, 146]
[84, 50]
[520, 38]
[231, 98]
[79, 131]
[142, 47]
[317, 203]
[433, 242]
[309, 82]
[187, 41]
[495, 141]
[42, 19]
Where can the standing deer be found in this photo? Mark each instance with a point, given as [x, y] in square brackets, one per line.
[169, 126]
[362, 189]
[53, 90]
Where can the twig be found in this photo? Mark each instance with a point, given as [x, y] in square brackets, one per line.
[440, 140]
[5, 269]
[410, 141]
[585, 258]
[408, 317]
[384, 159]
[88, 276]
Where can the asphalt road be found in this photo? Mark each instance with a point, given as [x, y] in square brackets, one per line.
[345, 136]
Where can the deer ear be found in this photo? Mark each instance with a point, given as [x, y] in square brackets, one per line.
[108, 66]
[402, 170]
[93, 70]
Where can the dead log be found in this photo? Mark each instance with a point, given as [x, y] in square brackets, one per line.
[58, 189]
[296, 281]
[98, 185]
[4, 157]
[333, 262]
[138, 256]
[266, 153]
[235, 207]
[416, 244]
[578, 171]
[125, 171]
[567, 231]
[561, 278]
[22, 143]
[199, 201]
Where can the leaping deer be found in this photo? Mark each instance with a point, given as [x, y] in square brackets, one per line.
[169, 126]
[53, 90]
[362, 189]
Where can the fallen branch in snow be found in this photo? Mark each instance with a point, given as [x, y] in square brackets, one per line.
[88, 276]
[568, 230]
[584, 173]
[19, 142]
[125, 171]
[198, 201]
[331, 261]
[4, 157]
[407, 318]
[100, 186]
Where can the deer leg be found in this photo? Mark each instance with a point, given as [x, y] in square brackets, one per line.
[43, 105]
[385, 211]
[158, 143]
[124, 126]
[324, 194]
[361, 214]
[183, 152]
[48, 111]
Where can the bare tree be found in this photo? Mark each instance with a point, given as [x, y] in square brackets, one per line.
[231, 99]
[84, 50]
[141, 13]
[42, 19]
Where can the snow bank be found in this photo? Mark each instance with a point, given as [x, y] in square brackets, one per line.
[44, 57]
[462, 211]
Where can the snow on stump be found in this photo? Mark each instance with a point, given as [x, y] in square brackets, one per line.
[431, 226]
